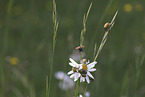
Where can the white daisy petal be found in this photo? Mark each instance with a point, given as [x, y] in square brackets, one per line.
[88, 62]
[90, 75]
[87, 79]
[80, 66]
[91, 65]
[71, 64]
[77, 66]
[77, 76]
[70, 72]
[81, 79]
[73, 61]
[91, 70]
[75, 79]
[73, 75]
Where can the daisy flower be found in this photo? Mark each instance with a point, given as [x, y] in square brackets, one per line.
[74, 72]
[85, 70]
[82, 70]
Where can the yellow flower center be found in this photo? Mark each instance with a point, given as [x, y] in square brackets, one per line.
[84, 66]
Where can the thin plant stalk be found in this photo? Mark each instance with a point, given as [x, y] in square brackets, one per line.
[24, 80]
[84, 26]
[2, 79]
[8, 21]
[82, 40]
[138, 67]
[54, 43]
[95, 50]
[76, 91]
[101, 45]
[125, 84]
[4, 49]
[85, 90]
[105, 36]
[100, 21]
[46, 86]
[106, 11]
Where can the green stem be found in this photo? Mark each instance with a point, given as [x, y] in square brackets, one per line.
[50, 78]
[101, 45]
[46, 86]
[85, 90]
[76, 92]
[54, 43]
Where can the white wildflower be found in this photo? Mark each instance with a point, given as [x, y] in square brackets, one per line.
[87, 94]
[74, 71]
[86, 68]
[65, 82]
[60, 75]
[81, 70]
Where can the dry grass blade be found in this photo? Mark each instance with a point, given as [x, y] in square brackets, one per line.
[105, 35]
[112, 22]
[88, 11]
[95, 50]
[84, 26]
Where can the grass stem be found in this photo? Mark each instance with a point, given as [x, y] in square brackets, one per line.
[104, 39]
[54, 43]
[76, 92]
[84, 26]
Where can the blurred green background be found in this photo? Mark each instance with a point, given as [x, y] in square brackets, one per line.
[26, 34]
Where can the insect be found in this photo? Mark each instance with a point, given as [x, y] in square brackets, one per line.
[80, 48]
[83, 72]
[107, 25]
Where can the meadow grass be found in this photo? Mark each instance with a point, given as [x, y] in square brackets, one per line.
[82, 36]
[120, 70]
[55, 22]
[4, 47]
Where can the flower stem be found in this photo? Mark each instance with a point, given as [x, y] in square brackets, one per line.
[85, 90]
[76, 92]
